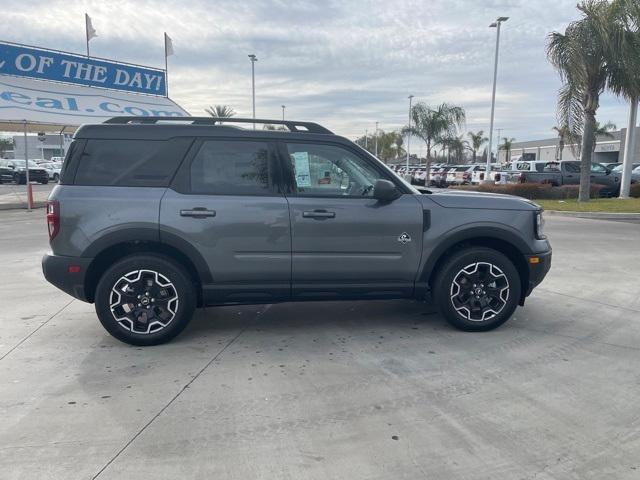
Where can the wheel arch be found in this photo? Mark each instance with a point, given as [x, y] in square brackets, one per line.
[501, 240]
[179, 250]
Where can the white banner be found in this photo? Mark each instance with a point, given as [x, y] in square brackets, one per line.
[56, 103]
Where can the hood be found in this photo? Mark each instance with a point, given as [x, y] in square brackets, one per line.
[482, 200]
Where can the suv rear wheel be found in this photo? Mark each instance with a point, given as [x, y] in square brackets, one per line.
[477, 289]
[145, 299]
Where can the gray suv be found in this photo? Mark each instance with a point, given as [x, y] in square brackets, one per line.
[154, 217]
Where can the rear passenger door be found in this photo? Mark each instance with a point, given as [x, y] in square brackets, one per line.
[224, 203]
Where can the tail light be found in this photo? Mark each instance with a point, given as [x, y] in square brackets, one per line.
[466, 175]
[53, 218]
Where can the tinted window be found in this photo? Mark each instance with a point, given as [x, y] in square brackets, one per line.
[330, 170]
[572, 167]
[597, 168]
[231, 168]
[130, 163]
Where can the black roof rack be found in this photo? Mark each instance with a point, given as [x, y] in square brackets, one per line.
[293, 126]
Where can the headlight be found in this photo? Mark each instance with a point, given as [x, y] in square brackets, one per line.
[539, 225]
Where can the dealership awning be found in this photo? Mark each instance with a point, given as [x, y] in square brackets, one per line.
[60, 108]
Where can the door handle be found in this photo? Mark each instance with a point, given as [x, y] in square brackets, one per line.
[318, 214]
[198, 212]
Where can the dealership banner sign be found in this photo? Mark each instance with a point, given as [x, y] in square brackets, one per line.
[49, 102]
[43, 64]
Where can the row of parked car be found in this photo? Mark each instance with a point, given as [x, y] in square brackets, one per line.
[15, 170]
[556, 173]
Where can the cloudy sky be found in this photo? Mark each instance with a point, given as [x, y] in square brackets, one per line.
[345, 64]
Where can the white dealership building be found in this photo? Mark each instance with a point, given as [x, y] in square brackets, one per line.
[608, 149]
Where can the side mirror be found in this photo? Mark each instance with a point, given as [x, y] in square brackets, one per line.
[385, 191]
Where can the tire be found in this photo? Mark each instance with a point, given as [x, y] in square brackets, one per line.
[56, 178]
[45, 181]
[147, 276]
[18, 180]
[482, 271]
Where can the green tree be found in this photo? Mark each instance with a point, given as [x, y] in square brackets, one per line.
[625, 79]
[5, 144]
[389, 145]
[602, 131]
[477, 140]
[506, 145]
[586, 58]
[220, 111]
[432, 125]
[564, 136]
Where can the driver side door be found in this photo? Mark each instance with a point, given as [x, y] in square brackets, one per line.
[345, 243]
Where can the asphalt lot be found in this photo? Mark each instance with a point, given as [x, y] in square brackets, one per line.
[353, 390]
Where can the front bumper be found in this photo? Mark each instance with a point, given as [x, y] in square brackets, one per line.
[57, 271]
[539, 265]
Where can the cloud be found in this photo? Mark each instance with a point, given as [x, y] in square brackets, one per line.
[345, 64]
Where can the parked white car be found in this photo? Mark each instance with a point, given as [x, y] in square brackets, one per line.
[496, 174]
[53, 170]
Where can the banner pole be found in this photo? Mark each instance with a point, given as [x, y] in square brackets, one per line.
[166, 67]
[26, 170]
[86, 31]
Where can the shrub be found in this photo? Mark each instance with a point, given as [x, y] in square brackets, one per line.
[535, 191]
[634, 191]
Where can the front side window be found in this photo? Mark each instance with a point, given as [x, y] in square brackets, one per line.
[328, 170]
[572, 167]
[597, 168]
[227, 167]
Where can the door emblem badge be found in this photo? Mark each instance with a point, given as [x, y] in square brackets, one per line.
[404, 238]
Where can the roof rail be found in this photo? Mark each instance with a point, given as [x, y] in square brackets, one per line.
[293, 126]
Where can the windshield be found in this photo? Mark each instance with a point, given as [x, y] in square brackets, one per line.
[18, 163]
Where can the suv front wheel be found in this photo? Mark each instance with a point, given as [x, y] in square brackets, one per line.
[145, 299]
[477, 289]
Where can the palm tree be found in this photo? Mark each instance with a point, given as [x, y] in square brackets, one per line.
[220, 111]
[431, 125]
[584, 56]
[477, 140]
[602, 131]
[564, 136]
[507, 143]
[625, 81]
[389, 144]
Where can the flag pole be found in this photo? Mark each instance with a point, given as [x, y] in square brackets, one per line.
[166, 66]
[86, 31]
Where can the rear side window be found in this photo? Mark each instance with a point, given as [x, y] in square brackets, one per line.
[572, 167]
[130, 163]
[228, 167]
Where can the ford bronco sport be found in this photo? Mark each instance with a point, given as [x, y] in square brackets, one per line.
[154, 217]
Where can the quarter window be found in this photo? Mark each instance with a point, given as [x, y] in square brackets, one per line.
[130, 163]
[329, 170]
[231, 168]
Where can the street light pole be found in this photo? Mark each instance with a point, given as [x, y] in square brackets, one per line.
[283, 107]
[376, 135]
[495, 25]
[253, 60]
[409, 133]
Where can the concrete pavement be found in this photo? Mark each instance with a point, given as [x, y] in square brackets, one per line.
[14, 196]
[355, 390]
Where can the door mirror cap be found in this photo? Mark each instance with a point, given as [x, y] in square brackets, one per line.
[385, 191]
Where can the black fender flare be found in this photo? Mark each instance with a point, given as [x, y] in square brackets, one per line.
[151, 233]
[458, 235]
